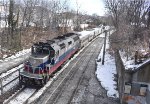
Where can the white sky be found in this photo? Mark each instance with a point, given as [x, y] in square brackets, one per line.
[89, 6]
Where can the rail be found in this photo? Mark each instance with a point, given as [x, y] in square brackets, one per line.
[3, 79]
[17, 97]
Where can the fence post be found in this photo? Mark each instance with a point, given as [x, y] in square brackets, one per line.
[20, 83]
[1, 84]
[103, 59]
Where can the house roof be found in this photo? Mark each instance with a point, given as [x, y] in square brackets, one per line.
[140, 66]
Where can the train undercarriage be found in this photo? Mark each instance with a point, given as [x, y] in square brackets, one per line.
[28, 81]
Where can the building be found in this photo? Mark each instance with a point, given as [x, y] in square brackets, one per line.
[137, 84]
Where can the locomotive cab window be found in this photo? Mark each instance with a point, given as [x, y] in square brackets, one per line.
[39, 50]
[62, 45]
[69, 43]
[45, 50]
[52, 53]
[76, 38]
[36, 50]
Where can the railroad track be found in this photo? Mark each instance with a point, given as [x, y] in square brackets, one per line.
[71, 73]
[57, 89]
[21, 96]
[14, 96]
[79, 82]
[17, 98]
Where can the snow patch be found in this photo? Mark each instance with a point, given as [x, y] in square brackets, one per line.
[18, 54]
[129, 64]
[23, 96]
[105, 73]
[9, 76]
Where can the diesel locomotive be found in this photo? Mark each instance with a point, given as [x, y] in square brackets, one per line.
[47, 57]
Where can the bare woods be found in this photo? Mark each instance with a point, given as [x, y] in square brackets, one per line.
[131, 19]
[23, 22]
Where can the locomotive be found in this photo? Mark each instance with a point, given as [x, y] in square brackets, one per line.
[47, 57]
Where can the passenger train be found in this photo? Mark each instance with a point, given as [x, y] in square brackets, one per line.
[47, 57]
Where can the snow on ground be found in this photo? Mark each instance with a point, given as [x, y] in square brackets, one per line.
[10, 71]
[8, 65]
[87, 32]
[7, 77]
[129, 64]
[105, 73]
[18, 54]
[84, 33]
[23, 96]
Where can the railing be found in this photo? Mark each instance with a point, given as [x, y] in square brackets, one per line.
[4, 84]
[3, 78]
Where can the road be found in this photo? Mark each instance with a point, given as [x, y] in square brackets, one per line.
[78, 84]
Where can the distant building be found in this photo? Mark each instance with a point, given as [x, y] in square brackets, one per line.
[84, 26]
[66, 25]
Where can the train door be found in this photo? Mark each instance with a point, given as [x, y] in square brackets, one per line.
[56, 56]
[52, 57]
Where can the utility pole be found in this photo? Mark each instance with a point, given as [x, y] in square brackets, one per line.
[104, 47]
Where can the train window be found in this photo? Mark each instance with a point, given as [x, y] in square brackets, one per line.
[40, 50]
[57, 54]
[62, 45]
[45, 51]
[52, 53]
[36, 50]
[32, 50]
[69, 43]
[76, 38]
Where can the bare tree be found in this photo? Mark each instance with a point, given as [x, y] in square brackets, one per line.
[127, 15]
[130, 20]
[28, 11]
[24, 18]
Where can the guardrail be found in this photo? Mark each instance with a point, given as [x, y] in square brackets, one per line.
[3, 78]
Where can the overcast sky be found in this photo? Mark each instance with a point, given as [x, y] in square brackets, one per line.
[90, 6]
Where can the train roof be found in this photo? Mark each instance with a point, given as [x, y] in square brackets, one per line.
[42, 44]
[84, 33]
[56, 42]
[70, 34]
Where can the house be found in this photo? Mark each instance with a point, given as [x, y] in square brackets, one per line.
[66, 25]
[84, 26]
[137, 84]
[133, 83]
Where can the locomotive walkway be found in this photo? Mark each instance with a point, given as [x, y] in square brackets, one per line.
[78, 84]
